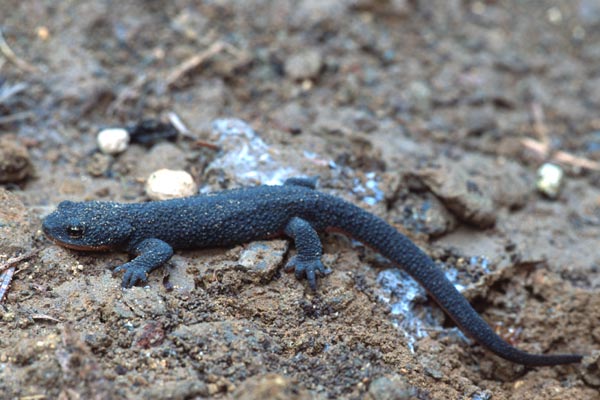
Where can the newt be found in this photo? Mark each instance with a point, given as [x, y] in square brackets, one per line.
[151, 231]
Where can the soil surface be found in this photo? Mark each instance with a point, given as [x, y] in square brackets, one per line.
[434, 115]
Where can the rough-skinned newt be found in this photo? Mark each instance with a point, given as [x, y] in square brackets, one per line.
[150, 231]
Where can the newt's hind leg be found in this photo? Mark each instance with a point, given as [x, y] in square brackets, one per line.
[307, 262]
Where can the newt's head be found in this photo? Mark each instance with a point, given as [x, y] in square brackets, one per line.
[90, 225]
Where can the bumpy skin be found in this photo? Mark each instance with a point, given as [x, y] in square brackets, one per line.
[152, 230]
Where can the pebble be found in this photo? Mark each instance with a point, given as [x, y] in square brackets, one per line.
[420, 95]
[460, 192]
[549, 180]
[271, 386]
[144, 303]
[393, 386]
[304, 65]
[98, 164]
[15, 164]
[167, 184]
[113, 140]
[591, 368]
[262, 259]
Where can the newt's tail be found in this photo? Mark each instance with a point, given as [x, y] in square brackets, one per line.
[375, 232]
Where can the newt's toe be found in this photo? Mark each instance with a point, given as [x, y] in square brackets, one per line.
[132, 275]
[309, 269]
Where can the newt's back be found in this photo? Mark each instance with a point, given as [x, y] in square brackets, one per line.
[228, 217]
[211, 220]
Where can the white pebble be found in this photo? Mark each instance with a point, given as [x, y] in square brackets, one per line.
[113, 140]
[549, 180]
[167, 184]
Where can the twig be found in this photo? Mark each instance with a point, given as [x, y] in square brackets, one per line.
[579, 162]
[44, 317]
[177, 122]
[195, 62]
[34, 397]
[8, 270]
[559, 156]
[131, 93]
[16, 117]
[539, 124]
[7, 91]
[537, 147]
[12, 57]
[208, 145]
[5, 280]
[183, 130]
[542, 146]
[11, 261]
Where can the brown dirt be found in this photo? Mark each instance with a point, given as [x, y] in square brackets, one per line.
[397, 105]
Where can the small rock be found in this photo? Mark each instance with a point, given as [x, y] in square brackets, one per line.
[15, 164]
[99, 342]
[591, 369]
[420, 95]
[144, 303]
[190, 22]
[98, 164]
[468, 200]
[150, 335]
[510, 185]
[292, 117]
[262, 259]
[549, 180]
[304, 65]
[395, 387]
[167, 184]
[113, 140]
[427, 215]
[271, 386]
[179, 389]
[178, 278]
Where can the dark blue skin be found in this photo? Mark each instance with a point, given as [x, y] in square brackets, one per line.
[151, 231]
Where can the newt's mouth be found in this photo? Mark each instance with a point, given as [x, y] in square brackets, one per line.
[79, 247]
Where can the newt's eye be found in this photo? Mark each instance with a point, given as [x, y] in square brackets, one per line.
[75, 231]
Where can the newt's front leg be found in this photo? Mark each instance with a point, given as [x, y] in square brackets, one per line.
[150, 254]
[307, 261]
